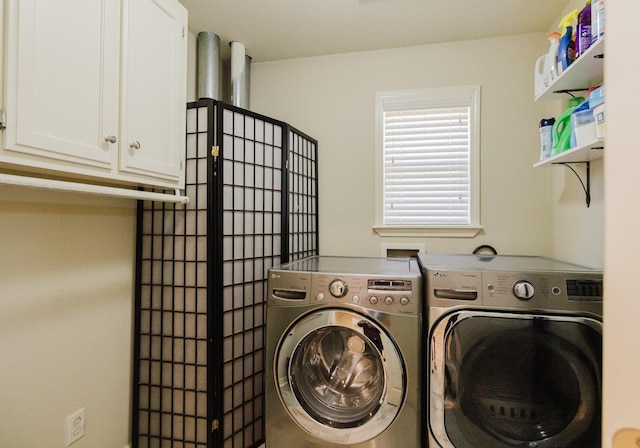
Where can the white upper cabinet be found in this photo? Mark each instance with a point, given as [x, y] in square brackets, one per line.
[96, 88]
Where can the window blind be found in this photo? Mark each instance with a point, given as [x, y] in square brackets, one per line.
[427, 166]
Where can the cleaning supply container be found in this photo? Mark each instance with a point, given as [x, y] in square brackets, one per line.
[597, 20]
[583, 30]
[567, 47]
[562, 127]
[546, 137]
[539, 75]
[546, 70]
[583, 126]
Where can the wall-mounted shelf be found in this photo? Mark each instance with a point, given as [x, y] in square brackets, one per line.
[586, 153]
[585, 72]
[581, 155]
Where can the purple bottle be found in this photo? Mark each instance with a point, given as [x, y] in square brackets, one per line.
[583, 30]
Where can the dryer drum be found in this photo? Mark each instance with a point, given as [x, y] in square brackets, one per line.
[528, 387]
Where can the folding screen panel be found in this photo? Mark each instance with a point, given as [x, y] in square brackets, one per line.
[202, 270]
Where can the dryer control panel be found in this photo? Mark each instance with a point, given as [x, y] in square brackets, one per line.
[562, 291]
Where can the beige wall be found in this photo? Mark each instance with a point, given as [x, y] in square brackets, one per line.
[332, 99]
[66, 300]
[578, 231]
[622, 245]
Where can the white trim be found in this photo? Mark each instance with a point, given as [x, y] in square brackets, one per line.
[50, 184]
[431, 231]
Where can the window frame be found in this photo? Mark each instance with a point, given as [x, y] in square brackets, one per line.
[430, 98]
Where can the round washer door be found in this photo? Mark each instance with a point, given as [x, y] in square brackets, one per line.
[340, 376]
[513, 380]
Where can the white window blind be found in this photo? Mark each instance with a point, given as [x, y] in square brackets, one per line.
[426, 166]
[429, 151]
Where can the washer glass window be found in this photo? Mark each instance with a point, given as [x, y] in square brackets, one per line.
[342, 378]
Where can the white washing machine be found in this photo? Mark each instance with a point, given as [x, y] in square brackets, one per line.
[343, 353]
[514, 352]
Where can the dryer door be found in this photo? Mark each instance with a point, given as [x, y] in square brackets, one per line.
[515, 380]
[340, 376]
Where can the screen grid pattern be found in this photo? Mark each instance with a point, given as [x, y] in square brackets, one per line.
[303, 195]
[171, 370]
[252, 211]
[202, 274]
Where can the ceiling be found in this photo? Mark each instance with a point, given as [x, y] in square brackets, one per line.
[283, 29]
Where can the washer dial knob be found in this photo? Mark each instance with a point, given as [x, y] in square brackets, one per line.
[523, 289]
[338, 288]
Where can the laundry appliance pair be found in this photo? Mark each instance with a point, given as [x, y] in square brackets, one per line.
[449, 351]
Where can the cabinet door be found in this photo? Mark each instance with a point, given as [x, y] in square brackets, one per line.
[153, 89]
[62, 84]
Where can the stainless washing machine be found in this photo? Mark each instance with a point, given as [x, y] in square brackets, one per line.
[514, 352]
[342, 353]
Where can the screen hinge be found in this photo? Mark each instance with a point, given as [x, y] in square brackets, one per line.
[3, 119]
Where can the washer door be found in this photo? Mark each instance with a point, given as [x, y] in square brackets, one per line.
[512, 380]
[340, 376]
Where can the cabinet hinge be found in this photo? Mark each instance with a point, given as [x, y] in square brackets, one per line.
[183, 32]
[215, 424]
[3, 119]
[215, 151]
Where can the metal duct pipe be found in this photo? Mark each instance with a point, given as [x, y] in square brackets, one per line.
[208, 66]
[240, 75]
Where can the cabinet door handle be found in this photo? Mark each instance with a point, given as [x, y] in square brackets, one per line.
[110, 139]
[135, 145]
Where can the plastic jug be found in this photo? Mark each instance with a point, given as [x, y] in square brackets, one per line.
[539, 75]
[562, 127]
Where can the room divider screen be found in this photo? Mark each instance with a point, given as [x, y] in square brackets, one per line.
[202, 273]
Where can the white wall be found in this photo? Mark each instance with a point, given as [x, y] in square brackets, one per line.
[622, 245]
[332, 99]
[66, 301]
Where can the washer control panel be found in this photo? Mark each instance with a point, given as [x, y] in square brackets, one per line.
[382, 293]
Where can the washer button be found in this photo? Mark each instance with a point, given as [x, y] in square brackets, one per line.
[355, 299]
[320, 297]
[404, 301]
[556, 291]
[388, 300]
[373, 300]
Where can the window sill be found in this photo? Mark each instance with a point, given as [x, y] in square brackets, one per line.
[429, 231]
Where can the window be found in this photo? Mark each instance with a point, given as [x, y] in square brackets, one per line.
[427, 162]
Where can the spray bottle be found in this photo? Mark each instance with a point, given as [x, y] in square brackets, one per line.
[567, 47]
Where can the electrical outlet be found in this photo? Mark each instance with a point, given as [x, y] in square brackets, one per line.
[76, 426]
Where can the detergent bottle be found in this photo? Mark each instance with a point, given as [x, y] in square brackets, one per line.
[540, 81]
[562, 128]
[567, 47]
[583, 30]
